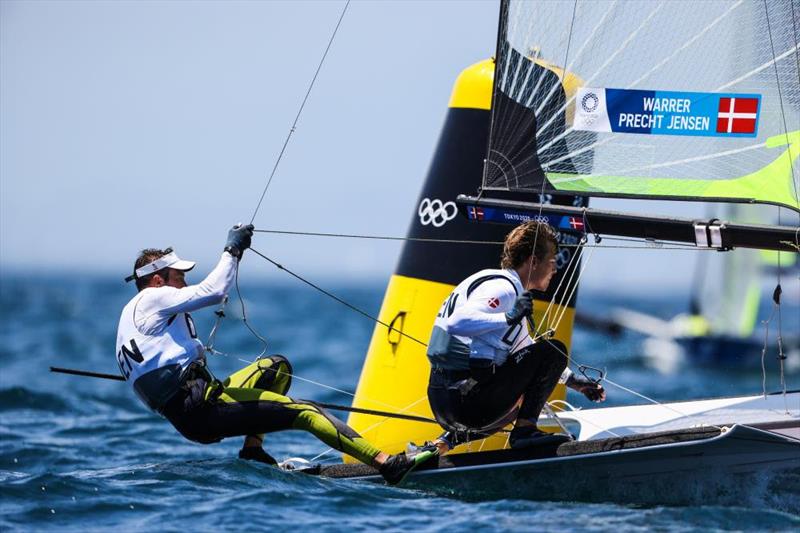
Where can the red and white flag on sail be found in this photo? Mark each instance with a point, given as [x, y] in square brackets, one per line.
[737, 115]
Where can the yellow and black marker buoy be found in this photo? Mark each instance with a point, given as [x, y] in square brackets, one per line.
[395, 371]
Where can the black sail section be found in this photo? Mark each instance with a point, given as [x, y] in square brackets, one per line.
[528, 133]
[457, 167]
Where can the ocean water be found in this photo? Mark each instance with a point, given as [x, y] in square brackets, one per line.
[81, 454]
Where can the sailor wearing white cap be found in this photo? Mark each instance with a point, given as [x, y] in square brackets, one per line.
[160, 355]
[156, 338]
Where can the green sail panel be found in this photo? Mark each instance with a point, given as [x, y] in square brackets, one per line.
[667, 100]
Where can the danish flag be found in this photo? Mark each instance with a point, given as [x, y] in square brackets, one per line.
[493, 303]
[475, 213]
[737, 115]
[576, 223]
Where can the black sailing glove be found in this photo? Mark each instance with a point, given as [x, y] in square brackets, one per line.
[592, 390]
[522, 308]
[239, 238]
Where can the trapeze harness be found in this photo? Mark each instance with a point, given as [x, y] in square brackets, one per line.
[159, 353]
[481, 366]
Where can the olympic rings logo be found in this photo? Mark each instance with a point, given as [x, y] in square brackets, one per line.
[589, 102]
[435, 212]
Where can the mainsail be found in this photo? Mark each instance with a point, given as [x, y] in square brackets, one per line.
[670, 100]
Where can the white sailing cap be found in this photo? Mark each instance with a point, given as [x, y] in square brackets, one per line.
[170, 260]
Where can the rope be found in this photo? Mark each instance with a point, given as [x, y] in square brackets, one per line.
[766, 324]
[299, 111]
[375, 237]
[333, 296]
[626, 389]
[369, 428]
[573, 265]
[567, 298]
[651, 244]
[780, 98]
[317, 383]
[244, 317]
[781, 356]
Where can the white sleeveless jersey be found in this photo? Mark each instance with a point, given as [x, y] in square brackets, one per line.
[174, 342]
[472, 322]
[156, 335]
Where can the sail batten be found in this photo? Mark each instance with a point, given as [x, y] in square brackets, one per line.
[677, 100]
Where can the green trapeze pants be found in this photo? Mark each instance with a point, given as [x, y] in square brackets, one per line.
[252, 402]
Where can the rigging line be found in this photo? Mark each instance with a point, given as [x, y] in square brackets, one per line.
[244, 317]
[264, 341]
[796, 195]
[583, 269]
[569, 291]
[319, 384]
[649, 246]
[295, 376]
[331, 406]
[503, 16]
[631, 391]
[795, 34]
[656, 402]
[368, 429]
[783, 110]
[544, 181]
[565, 303]
[572, 285]
[567, 276]
[766, 324]
[331, 295]
[375, 237]
[569, 41]
[299, 111]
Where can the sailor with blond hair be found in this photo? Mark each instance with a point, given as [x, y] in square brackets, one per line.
[486, 369]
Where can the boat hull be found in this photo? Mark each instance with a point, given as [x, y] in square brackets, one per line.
[668, 468]
[719, 469]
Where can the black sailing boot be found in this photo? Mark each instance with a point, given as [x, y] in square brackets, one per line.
[257, 453]
[397, 467]
[530, 436]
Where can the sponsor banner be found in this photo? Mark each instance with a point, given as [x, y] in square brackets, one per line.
[507, 216]
[667, 112]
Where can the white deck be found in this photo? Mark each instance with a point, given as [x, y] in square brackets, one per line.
[775, 413]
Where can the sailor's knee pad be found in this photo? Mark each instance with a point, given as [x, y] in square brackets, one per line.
[278, 362]
[271, 366]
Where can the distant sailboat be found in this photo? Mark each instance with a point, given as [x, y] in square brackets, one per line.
[723, 324]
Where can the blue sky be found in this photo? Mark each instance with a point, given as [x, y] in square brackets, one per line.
[133, 124]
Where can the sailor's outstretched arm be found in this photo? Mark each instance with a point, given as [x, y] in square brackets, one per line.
[211, 291]
[157, 306]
